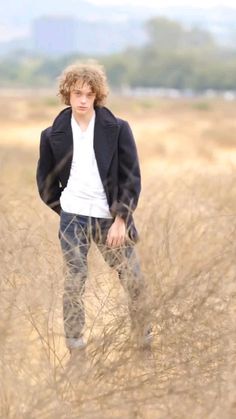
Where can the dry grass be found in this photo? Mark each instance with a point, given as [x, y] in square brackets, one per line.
[187, 223]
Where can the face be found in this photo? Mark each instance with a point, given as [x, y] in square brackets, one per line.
[82, 99]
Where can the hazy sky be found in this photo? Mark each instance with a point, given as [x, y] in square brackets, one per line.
[167, 3]
[10, 30]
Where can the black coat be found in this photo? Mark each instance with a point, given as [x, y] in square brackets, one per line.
[116, 157]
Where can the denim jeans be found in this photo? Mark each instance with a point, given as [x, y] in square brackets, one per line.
[76, 233]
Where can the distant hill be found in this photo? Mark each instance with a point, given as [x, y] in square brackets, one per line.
[103, 30]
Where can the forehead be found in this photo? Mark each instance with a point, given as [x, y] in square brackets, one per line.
[82, 86]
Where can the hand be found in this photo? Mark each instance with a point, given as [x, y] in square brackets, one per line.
[116, 233]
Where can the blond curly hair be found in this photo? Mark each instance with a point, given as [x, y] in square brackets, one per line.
[89, 73]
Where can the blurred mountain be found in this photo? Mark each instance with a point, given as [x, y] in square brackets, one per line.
[103, 29]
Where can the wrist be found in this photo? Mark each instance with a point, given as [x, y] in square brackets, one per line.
[119, 220]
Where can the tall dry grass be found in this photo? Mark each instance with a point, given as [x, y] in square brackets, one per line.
[187, 225]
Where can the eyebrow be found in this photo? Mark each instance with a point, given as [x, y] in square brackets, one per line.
[79, 91]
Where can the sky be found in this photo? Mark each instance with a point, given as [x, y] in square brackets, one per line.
[167, 3]
[9, 31]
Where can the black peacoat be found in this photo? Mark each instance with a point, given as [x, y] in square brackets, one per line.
[116, 156]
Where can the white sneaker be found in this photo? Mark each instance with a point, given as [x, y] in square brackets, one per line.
[75, 343]
[145, 340]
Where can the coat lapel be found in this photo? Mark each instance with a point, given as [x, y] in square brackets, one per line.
[62, 141]
[106, 132]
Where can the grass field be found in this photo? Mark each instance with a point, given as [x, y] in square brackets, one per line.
[187, 224]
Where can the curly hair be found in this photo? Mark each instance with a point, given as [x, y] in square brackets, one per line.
[92, 74]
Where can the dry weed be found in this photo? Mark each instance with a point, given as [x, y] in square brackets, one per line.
[187, 224]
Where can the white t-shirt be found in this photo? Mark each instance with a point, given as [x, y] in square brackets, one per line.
[84, 193]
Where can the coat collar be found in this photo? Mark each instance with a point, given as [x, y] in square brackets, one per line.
[62, 122]
[106, 132]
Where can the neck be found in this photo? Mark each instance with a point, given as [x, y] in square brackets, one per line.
[83, 120]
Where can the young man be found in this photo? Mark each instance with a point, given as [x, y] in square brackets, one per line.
[88, 172]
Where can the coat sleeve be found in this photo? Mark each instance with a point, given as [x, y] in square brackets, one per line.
[47, 179]
[129, 173]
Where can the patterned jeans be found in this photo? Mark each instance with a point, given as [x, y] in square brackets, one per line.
[76, 233]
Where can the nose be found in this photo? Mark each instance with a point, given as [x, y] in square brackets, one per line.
[83, 99]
